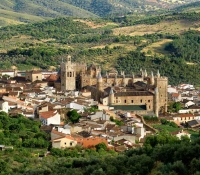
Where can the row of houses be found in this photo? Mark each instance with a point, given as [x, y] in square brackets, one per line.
[39, 101]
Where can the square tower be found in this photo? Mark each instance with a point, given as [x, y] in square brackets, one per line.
[161, 83]
[68, 75]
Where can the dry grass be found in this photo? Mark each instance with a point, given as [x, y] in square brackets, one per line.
[128, 46]
[158, 47]
[190, 63]
[94, 25]
[15, 41]
[173, 27]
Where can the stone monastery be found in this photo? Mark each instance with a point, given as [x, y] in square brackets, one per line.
[126, 92]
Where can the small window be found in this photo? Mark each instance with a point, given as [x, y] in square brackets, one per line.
[65, 143]
[141, 101]
[70, 74]
[124, 101]
[149, 101]
[70, 143]
[131, 101]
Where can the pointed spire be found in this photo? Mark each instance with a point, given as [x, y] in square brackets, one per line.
[158, 73]
[99, 75]
[152, 74]
[111, 91]
[133, 75]
[145, 73]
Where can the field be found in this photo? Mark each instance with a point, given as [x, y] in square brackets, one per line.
[157, 47]
[166, 127]
[172, 27]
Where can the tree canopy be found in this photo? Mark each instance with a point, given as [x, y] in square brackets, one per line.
[73, 116]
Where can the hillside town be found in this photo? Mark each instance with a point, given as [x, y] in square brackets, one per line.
[111, 108]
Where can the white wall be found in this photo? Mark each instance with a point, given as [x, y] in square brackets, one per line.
[5, 107]
[54, 120]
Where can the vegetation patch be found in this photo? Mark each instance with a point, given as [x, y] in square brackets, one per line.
[157, 47]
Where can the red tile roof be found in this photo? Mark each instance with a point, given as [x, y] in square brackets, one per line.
[184, 115]
[52, 77]
[175, 94]
[48, 114]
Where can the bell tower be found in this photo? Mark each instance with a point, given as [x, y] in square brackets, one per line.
[68, 75]
[161, 84]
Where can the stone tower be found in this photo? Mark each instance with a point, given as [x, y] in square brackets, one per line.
[161, 84]
[111, 97]
[99, 86]
[68, 75]
[152, 79]
[156, 102]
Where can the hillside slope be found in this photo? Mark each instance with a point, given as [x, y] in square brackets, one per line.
[26, 11]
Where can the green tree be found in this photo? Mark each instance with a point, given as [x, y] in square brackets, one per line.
[74, 116]
[101, 146]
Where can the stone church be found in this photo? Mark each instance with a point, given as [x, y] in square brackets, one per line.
[142, 93]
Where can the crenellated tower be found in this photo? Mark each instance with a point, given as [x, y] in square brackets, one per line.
[161, 84]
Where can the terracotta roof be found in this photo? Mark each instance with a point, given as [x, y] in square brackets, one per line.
[48, 114]
[175, 94]
[91, 142]
[184, 115]
[52, 77]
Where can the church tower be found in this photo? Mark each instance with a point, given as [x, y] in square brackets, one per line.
[156, 102]
[111, 97]
[161, 84]
[68, 75]
[99, 86]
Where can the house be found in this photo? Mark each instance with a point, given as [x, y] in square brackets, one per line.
[171, 89]
[56, 134]
[176, 97]
[76, 106]
[189, 103]
[69, 141]
[99, 115]
[64, 142]
[194, 109]
[180, 133]
[186, 86]
[194, 123]
[182, 118]
[33, 75]
[50, 117]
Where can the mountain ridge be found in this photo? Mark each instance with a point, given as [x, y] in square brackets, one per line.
[27, 11]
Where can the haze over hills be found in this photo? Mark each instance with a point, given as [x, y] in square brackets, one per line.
[26, 11]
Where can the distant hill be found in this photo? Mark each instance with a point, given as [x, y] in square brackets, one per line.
[195, 6]
[26, 11]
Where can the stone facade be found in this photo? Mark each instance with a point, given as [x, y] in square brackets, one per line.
[33, 75]
[144, 91]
